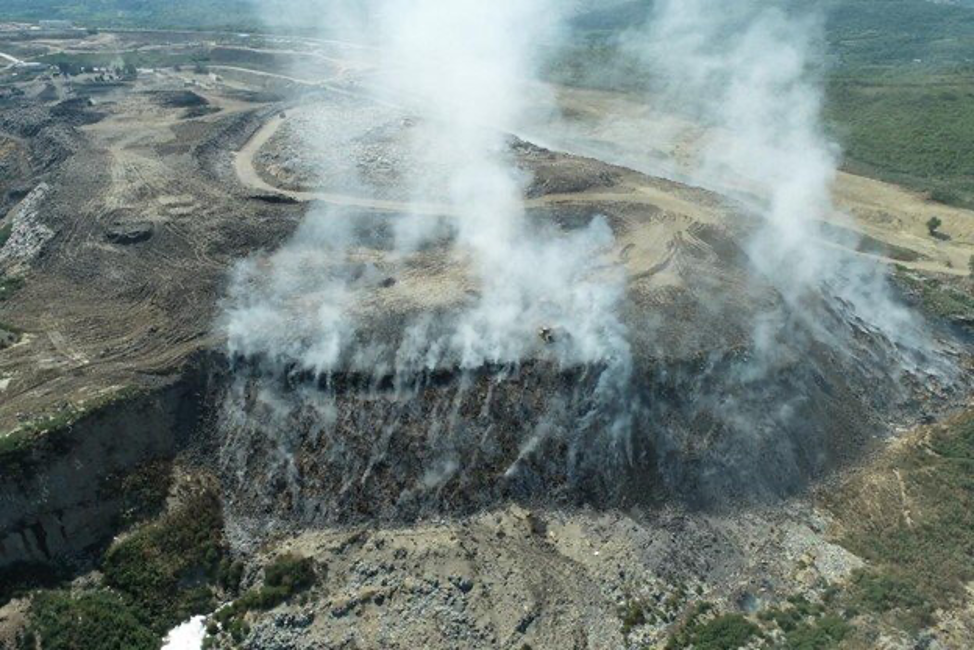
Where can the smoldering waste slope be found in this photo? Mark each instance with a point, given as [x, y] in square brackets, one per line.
[709, 413]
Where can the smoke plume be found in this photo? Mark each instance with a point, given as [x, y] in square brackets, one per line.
[748, 76]
[501, 289]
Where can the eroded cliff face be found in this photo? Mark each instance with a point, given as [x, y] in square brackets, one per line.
[60, 495]
[299, 451]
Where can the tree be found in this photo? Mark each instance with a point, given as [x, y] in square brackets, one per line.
[933, 225]
[970, 265]
[67, 68]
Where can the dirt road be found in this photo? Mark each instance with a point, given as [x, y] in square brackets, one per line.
[891, 215]
[11, 59]
[627, 192]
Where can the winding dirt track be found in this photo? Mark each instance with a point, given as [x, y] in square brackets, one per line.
[885, 212]
[248, 175]
[629, 193]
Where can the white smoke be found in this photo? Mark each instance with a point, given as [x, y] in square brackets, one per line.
[463, 72]
[751, 75]
[500, 288]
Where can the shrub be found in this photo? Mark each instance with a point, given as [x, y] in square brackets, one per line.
[97, 620]
[725, 632]
[285, 577]
[230, 574]
[290, 572]
[632, 616]
[163, 566]
[880, 593]
[822, 634]
[933, 225]
[947, 197]
[9, 286]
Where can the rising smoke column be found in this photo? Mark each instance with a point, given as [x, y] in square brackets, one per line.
[752, 73]
[464, 68]
[460, 73]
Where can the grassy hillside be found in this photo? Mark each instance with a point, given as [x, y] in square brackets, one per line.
[859, 32]
[911, 127]
[899, 92]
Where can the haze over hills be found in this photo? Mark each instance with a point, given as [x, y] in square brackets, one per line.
[464, 324]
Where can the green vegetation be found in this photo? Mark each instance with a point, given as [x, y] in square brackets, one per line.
[799, 623]
[195, 14]
[5, 231]
[914, 127]
[8, 336]
[897, 32]
[791, 617]
[911, 519]
[821, 634]
[94, 620]
[284, 578]
[635, 613]
[880, 592]
[899, 86]
[166, 567]
[143, 491]
[945, 298]
[9, 286]
[20, 449]
[808, 626]
[858, 32]
[159, 575]
[12, 447]
[909, 516]
[723, 632]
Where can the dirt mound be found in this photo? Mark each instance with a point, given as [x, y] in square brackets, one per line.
[49, 133]
[129, 232]
[76, 112]
[553, 173]
[694, 421]
[178, 99]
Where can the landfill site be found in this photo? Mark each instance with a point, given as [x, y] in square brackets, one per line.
[250, 270]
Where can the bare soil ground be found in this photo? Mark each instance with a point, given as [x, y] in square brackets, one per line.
[888, 213]
[99, 310]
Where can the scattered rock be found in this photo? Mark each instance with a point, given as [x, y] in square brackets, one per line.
[129, 233]
[28, 233]
[282, 199]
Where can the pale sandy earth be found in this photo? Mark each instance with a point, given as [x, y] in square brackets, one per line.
[603, 125]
